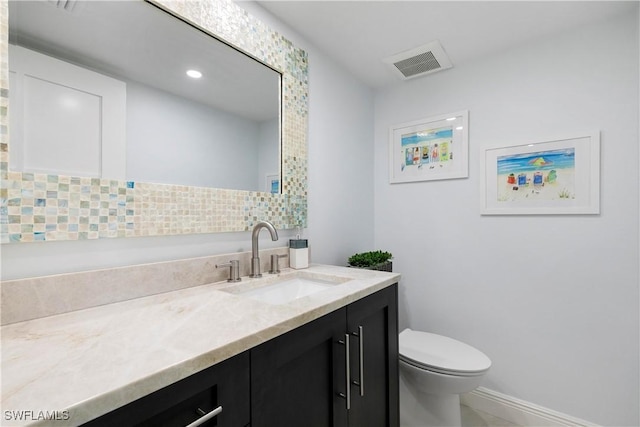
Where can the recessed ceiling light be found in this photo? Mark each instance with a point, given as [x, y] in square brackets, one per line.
[451, 119]
[194, 74]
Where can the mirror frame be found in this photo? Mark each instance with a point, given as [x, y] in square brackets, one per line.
[47, 207]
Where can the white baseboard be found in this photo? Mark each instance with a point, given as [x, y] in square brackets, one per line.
[518, 411]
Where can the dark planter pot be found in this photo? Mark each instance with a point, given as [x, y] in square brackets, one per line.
[385, 266]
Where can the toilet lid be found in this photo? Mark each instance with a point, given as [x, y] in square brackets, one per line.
[441, 354]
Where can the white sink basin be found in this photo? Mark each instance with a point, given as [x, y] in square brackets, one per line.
[287, 288]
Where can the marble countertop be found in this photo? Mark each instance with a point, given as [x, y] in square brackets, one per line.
[76, 366]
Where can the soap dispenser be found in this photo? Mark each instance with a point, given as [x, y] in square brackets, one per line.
[298, 253]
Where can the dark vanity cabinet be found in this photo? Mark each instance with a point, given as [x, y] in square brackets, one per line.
[223, 388]
[336, 371]
[374, 401]
[340, 370]
[295, 375]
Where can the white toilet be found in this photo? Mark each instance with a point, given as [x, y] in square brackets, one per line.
[434, 371]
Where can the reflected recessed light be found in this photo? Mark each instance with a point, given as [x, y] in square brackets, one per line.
[194, 74]
[459, 128]
[450, 119]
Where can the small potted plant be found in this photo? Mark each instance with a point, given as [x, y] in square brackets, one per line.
[372, 260]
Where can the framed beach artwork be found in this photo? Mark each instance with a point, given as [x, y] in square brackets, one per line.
[272, 183]
[430, 149]
[557, 176]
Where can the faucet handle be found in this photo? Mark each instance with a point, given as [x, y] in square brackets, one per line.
[234, 270]
[275, 265]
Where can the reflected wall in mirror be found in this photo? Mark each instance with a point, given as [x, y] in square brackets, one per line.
[92, 193]
[124, 64]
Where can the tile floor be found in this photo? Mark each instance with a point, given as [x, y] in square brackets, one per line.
[474, 418]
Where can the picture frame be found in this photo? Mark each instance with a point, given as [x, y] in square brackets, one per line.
[550, 177]
[433, 148]
[272, 183]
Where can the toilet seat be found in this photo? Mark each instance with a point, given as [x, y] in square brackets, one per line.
[441, 354]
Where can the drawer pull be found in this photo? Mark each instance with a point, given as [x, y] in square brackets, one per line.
[205, 417]
[347, 394]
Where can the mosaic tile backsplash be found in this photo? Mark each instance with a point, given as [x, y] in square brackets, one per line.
[42, 207]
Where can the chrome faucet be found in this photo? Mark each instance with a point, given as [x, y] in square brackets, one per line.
[255, 258]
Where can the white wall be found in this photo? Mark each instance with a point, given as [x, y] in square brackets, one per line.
[340, 189]
[340, 156]
[341, 211]
[553, 300]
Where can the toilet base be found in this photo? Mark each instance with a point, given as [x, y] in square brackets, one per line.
[426, 409]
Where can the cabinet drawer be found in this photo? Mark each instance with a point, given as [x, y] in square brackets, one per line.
[187, 411]
[225, 384]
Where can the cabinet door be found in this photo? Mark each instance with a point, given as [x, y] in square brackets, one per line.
[223, 385]
[296, 377]
[372, 323]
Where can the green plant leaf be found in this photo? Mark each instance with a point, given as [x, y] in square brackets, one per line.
[368, 259]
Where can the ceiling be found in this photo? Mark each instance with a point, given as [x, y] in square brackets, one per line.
[360, 34]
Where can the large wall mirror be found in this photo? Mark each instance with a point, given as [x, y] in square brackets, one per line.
[112, 135]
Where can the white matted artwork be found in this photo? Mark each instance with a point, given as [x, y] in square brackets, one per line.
[430, 149]
[272, 183]
[555, 176]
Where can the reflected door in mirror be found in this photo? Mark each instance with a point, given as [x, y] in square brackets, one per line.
[65, 119]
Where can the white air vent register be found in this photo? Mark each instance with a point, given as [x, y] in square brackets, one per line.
[422, 60]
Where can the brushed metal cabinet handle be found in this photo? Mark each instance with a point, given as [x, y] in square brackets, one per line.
[361, 339]
[360, 335]
[205, 417]
[347, 394]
